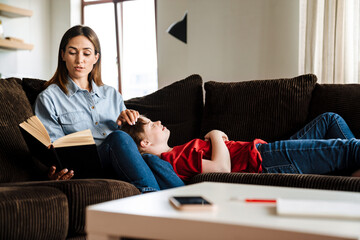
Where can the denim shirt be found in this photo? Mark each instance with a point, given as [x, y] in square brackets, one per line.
[78, 110]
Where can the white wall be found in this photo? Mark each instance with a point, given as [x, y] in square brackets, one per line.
[229, 40]
[64, 14]
[51, 18]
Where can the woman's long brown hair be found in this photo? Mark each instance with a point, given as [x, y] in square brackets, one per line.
[61, 75]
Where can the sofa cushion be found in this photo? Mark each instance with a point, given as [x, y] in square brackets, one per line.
[14, 154]
[32, 88]
[179, 106]
[81, 193]
[314, 181]
[33, 213]
[343, 99]
[266, 109]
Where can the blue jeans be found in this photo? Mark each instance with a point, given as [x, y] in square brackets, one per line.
[119, 154]
[324, 145]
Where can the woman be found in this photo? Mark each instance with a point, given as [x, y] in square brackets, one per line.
[75, 99]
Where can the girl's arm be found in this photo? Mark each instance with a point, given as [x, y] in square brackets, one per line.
[220, 156]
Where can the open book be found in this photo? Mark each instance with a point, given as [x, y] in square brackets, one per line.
[34, 126]
[75, 151]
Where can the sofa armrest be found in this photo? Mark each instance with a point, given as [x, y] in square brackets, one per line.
[84, 192]
[286, 180]
[33, 213]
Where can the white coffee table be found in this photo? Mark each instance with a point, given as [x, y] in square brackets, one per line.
[151, 215]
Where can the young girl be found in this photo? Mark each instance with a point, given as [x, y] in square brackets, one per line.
[323, 146]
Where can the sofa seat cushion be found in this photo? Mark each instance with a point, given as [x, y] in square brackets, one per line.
[81, 193]
[266, 109]
[313, 181]
[178, 106]
[33, 213]
[343, 99]
[14, 154]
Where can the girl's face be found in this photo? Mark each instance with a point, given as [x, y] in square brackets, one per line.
[79, 57]
[155, 132]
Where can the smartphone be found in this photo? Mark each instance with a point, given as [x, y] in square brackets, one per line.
[192, 203]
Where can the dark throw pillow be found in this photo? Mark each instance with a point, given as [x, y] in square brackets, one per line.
[15, 158]
[32, 88]
[178, 106]
[266, 109]
[343, 99]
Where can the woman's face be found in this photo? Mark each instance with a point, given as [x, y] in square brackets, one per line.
[79, 57]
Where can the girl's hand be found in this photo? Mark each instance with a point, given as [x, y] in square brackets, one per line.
[216, 134]
[129, 116]
[220, 156]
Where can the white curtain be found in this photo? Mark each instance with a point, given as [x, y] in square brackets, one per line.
[329, 40]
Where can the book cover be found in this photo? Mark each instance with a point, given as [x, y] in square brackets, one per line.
[76, 151]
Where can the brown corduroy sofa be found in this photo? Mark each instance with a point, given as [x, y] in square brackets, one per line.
[33, 208]
[268, 109]
[30, 206]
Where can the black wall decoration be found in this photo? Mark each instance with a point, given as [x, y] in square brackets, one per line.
[179, 29]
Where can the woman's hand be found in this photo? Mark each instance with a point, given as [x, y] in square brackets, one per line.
[129, 116]
[61, 175]
[216, 134]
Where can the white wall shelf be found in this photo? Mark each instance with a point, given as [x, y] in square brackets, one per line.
[14, 12]
[14, 45]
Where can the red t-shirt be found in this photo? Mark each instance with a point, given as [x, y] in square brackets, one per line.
[186, 159]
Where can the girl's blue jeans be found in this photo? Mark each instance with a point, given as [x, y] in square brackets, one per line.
[323, 146]
[119, 154]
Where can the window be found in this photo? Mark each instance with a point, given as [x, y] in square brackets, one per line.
[127, 31]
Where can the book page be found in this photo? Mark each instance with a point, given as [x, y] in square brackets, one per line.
[34, 126]
[75, 139]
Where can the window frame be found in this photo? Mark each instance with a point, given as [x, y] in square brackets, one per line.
[118, 49]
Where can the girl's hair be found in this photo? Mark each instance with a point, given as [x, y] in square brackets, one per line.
[136, 131]
[60, 76]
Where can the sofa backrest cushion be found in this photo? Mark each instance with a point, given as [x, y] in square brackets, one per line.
[32, 88]
[267, 109]
[15, 160]
[178, 106]
[343, 99]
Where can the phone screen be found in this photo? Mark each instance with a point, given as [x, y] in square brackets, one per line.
[197, 200]
[191, 203]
